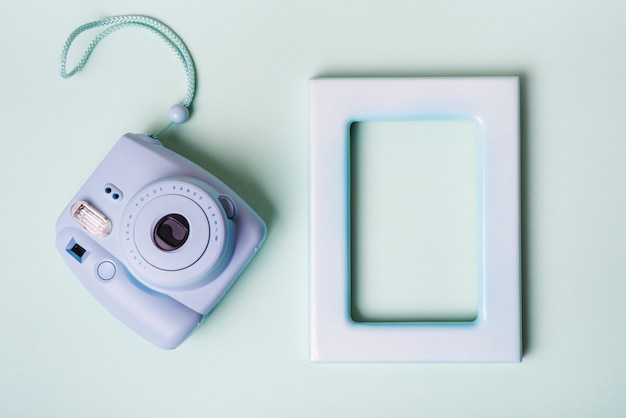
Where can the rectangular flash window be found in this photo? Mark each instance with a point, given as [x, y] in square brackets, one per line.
[91, 219]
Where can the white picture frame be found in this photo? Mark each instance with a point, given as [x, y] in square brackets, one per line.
[336, 103]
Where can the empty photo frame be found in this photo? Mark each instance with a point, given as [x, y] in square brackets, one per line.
[475, 125]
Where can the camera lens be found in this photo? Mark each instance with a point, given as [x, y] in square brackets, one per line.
[171, 232]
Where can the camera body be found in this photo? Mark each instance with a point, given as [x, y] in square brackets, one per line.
[157, 239]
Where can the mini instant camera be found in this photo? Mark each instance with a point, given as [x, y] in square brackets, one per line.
[157, 239]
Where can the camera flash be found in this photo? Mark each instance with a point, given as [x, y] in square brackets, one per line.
[91, 219]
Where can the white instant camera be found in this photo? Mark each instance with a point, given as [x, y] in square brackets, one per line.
[156, 239]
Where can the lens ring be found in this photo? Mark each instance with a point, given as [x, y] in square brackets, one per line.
[208, 245]
[141, 234]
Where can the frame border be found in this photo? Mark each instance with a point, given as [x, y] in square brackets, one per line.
[335, 103]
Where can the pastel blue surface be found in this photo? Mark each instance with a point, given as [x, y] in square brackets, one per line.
[161, 295]
[61, 353]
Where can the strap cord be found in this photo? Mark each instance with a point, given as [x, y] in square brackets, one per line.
[116, 23]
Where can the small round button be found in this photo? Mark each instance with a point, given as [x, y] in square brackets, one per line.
[106, 270]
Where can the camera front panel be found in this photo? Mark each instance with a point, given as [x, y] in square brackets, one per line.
[175, 233]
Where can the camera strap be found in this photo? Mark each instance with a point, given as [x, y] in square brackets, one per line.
[178, 113]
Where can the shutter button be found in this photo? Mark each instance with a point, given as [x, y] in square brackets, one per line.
[106, 270]
[229, 207]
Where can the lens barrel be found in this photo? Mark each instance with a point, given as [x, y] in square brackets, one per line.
[171, 232]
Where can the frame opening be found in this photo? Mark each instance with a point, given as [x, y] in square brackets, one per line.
[415, 220]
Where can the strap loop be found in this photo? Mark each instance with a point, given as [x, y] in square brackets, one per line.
[115, 23]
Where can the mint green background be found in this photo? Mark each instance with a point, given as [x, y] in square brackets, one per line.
[414, 202]
[62, 355]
